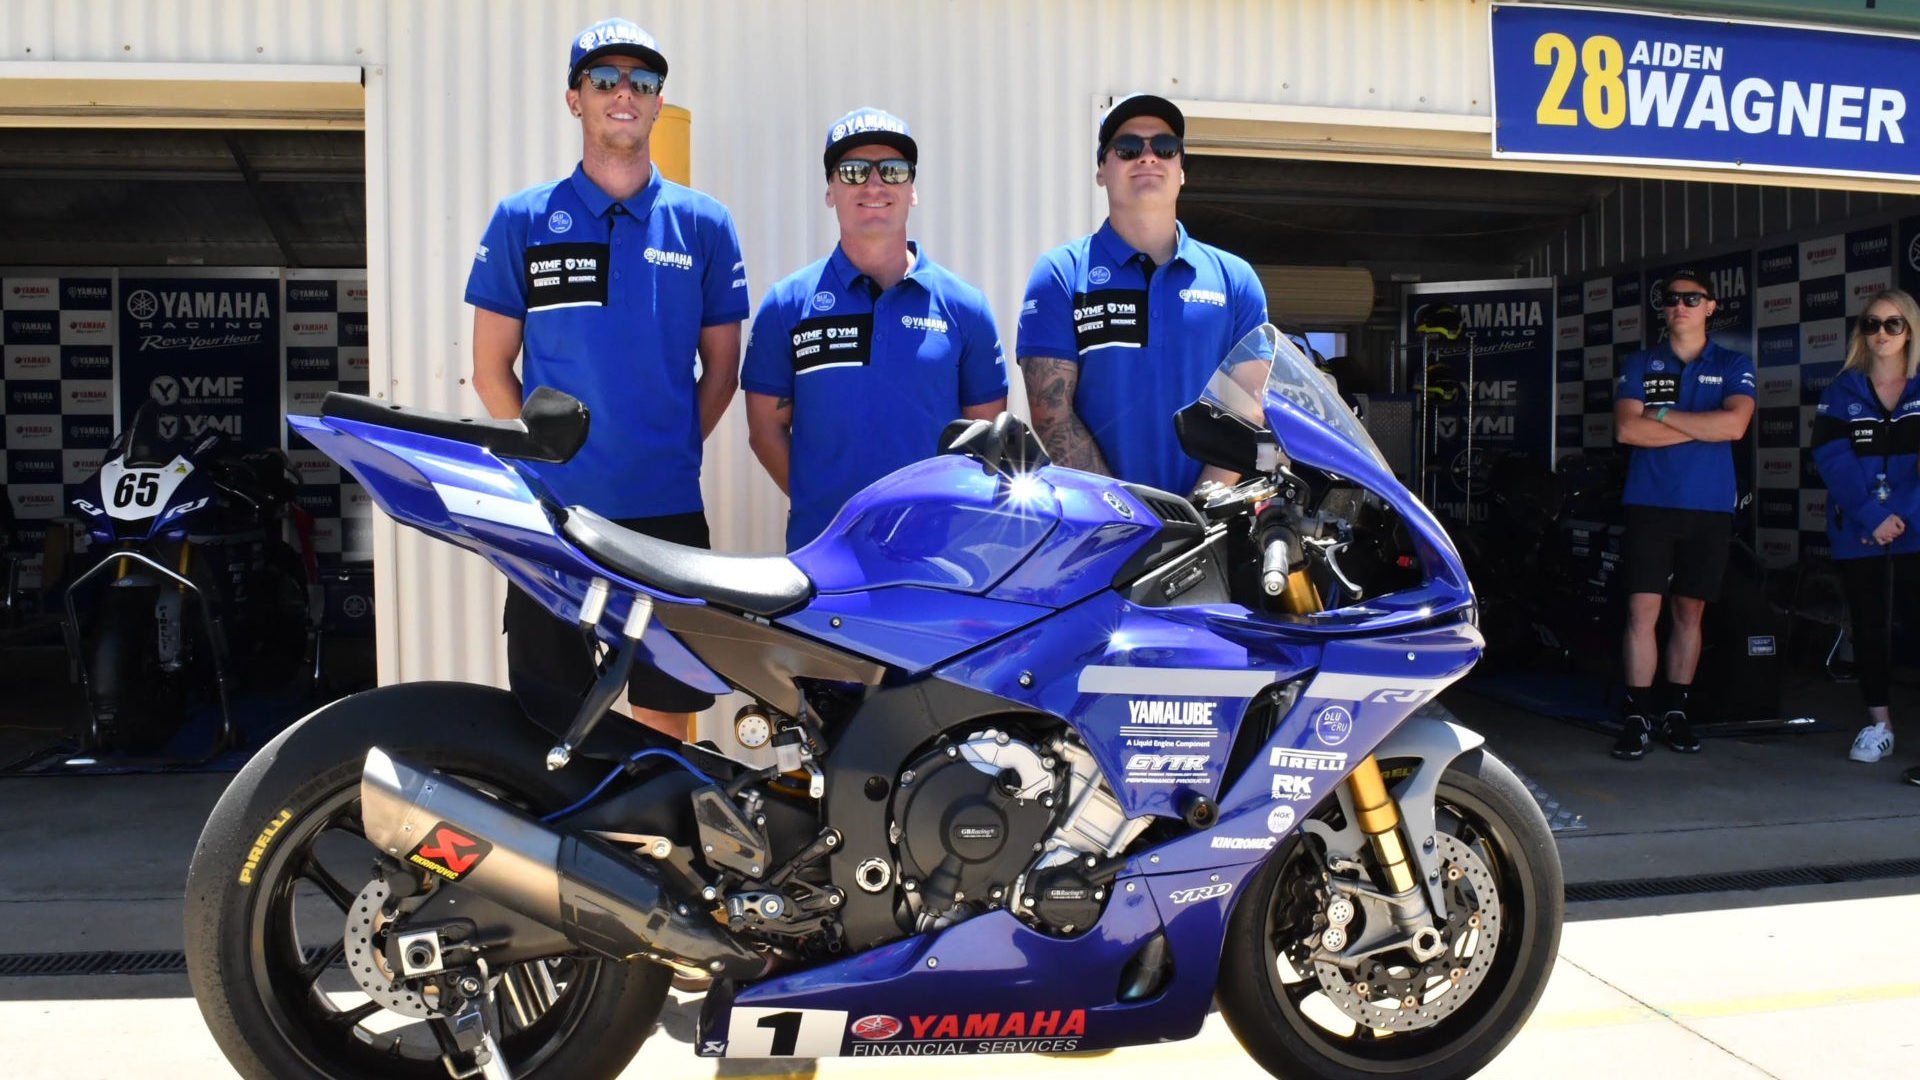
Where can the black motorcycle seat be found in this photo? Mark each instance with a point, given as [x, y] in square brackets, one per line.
[765, 585]
[551, 429]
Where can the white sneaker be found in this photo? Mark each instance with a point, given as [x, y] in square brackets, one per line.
[1874, 742]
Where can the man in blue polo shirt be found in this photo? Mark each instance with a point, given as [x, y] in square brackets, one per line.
[1121, 329]
[1681, 405]
[606, 284]
[858, 361]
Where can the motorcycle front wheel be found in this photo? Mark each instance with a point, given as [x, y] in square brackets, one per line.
[1441, 1020]
[283, 860]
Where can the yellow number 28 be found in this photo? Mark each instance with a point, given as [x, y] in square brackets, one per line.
[1603, 96]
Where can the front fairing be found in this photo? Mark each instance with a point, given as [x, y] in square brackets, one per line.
[1308, 440]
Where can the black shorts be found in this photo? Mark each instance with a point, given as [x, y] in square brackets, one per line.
[1688, 546]
[548, 663]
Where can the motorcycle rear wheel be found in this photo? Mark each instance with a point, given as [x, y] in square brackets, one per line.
[1272, 1009]
[282, 859]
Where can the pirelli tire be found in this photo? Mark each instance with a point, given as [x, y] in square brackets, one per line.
[247, 985]
[1484, 807]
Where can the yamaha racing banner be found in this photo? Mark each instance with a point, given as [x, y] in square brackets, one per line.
[1487, 350]
[1602, 85]
[206, 349]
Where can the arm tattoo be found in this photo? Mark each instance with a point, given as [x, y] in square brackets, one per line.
[1051, 383]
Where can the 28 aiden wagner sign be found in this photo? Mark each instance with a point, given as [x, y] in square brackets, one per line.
[1582, 83]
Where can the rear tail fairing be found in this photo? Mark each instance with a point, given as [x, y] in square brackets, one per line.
[465, 495]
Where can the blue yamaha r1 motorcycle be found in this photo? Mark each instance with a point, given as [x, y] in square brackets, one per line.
[1059, 763]
[193, 590]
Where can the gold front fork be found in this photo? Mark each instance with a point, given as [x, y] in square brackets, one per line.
[1380, 820]
[1379, 816]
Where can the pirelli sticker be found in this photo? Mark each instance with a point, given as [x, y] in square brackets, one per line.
[566, 275]
[1110, 317]
[832, 341]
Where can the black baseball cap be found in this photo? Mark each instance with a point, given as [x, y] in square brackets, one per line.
[1698, 278]
[1139, 105]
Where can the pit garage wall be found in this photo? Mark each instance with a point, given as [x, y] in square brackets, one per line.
[1800, 299]
[63, 377]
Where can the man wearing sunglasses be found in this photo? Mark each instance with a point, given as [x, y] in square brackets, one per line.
[1122, 328]
[607, 284]
[858, 361]
[1680, 405]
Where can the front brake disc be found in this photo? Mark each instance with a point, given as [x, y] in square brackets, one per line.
[1410, 998]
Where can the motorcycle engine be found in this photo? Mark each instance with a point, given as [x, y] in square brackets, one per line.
[997, 821]
[966, 820]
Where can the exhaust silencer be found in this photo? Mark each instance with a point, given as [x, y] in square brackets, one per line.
[598, 899]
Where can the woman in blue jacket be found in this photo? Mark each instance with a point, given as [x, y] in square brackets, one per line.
[1866, 442]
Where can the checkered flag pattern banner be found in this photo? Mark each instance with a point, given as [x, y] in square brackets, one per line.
[59, 335]
[61, 376]
[1808, 296]
[324, 335]
[1601, 321]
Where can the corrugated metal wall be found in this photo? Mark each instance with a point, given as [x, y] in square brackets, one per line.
[1643, 220]
[465, 105]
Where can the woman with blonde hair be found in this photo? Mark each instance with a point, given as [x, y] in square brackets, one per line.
[1866, 443]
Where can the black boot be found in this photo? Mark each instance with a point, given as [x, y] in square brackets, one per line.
[1636, 731]
[1675, 728]
[1911, 776]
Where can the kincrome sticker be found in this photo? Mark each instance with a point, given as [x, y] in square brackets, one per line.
[1332, 725]
[260, 844]
[449, 852]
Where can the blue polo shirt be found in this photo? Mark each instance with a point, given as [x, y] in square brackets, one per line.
[614, 296]
[874, 375]
[1147, 339]
[1689, 475]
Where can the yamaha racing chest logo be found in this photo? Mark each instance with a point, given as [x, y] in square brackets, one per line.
[673, 259]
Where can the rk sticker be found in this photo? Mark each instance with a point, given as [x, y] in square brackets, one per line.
[449, 853]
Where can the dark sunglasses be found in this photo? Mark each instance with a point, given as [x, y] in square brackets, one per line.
[1691, 299]
[854, 171]
[1128, 147]
[1894, 325]
[606, 78]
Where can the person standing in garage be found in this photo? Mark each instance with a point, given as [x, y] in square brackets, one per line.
[875, 323]
[1680, 405]
[1122, 328]
[1866, 443]
[606, 284]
